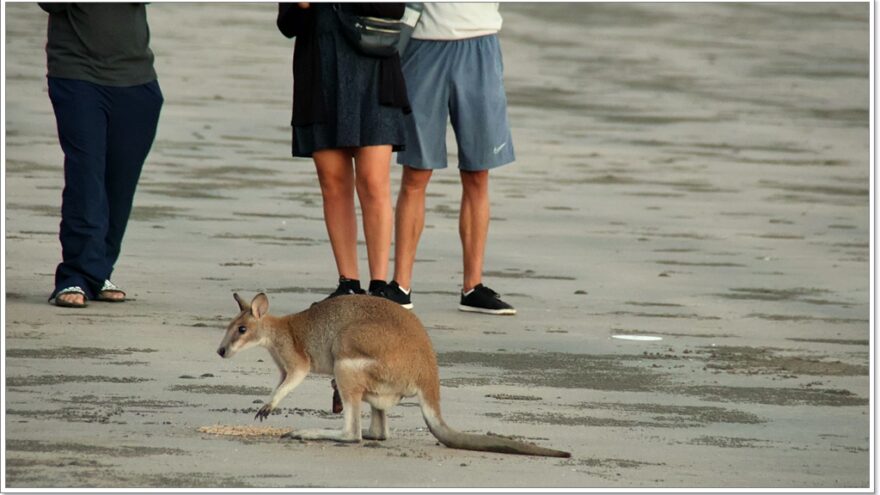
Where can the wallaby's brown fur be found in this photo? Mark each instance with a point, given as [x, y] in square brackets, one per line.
[378, 353]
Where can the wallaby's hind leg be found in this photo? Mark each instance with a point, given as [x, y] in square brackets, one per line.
[350, 433]
[378, 426]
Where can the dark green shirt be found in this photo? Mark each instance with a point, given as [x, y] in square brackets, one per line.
[103, 43]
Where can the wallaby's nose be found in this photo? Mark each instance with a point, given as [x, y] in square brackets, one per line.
[222, 351]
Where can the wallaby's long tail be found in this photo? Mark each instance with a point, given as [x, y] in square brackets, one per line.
[485, 443]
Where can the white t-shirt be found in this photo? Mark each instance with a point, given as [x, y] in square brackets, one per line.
[457, 21]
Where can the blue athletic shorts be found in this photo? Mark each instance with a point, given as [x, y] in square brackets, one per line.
[460, 81]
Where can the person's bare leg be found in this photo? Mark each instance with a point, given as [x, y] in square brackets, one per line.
[336, 176]
[473, 224]
[373, 183]
[409, 221]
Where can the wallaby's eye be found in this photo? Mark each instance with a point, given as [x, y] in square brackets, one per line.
[242, 329]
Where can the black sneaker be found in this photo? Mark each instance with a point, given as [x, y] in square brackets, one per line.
[394, 293]
[482, 299]
[346, 287]
[377, 288]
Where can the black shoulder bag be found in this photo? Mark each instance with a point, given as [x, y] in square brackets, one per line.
[372, 36]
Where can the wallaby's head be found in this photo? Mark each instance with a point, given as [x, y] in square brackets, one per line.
[246, 329]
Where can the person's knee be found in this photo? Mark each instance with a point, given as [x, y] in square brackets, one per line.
[373, 188]
[475, 181]
[415, 181]
[334, 185]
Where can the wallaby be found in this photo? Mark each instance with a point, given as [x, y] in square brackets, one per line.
[377, 351]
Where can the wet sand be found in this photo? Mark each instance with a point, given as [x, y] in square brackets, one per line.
[696, 172]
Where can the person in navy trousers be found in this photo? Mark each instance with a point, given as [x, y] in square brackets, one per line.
[106, 99]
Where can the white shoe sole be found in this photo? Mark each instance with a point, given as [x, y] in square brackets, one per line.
[407, 306]
[471, 309]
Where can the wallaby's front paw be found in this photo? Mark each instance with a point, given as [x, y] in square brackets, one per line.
[264, 412]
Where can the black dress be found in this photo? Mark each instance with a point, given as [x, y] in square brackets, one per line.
[339, 106]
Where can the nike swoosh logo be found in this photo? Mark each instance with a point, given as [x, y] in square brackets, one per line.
[499, 148]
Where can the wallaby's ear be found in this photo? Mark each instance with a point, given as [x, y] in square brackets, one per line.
[260, 305]
[242, 305]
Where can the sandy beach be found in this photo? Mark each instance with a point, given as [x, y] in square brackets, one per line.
[693, 172]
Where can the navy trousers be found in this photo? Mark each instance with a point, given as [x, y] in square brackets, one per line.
[106, 133]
